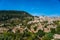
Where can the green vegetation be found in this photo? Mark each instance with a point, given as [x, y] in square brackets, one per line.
[58, 29]
[48, 36]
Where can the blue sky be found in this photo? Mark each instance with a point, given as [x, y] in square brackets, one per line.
[34, 7]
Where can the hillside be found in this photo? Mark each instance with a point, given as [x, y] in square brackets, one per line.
[13, 14]
[20, 25]
[13, 18]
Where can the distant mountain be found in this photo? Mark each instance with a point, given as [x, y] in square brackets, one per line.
[13, 14]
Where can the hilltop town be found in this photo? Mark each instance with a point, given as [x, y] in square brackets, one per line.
[20, 25]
